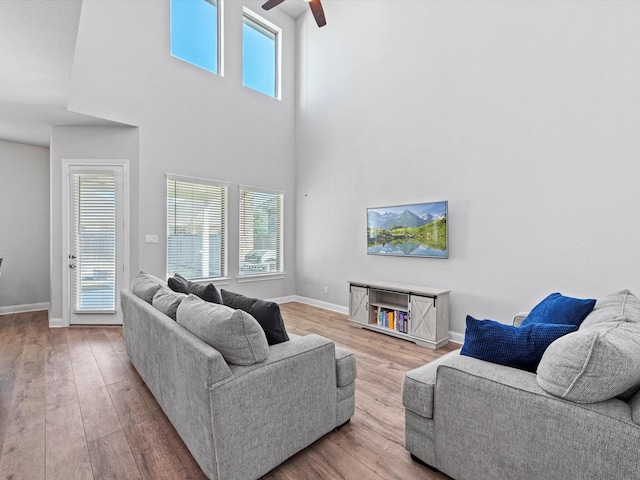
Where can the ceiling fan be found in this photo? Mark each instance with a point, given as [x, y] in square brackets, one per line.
[315, 5]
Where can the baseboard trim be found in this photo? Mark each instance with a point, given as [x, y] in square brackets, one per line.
[56, 323]
[27, 307]
[319, 303]
[456, 337]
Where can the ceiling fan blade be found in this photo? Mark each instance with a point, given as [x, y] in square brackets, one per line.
[271, 3]
[318, 12]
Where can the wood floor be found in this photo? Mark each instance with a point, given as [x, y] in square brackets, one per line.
[73, 407]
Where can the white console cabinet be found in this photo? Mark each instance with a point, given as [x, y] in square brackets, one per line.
[419, 314]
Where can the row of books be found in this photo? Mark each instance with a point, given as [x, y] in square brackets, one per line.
[392, 319]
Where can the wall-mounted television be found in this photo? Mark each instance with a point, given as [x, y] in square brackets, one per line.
[417, 230]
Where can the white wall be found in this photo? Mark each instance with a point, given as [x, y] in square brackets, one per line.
[24, 232]
[523, 115]
[90, 144]
[191, 122]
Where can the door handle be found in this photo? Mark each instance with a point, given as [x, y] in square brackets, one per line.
[71, 265]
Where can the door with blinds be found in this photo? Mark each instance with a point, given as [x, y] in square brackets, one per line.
[96, 241]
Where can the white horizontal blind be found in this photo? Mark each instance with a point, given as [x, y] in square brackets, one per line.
[261, 231]
[94, 200]
[196, 228]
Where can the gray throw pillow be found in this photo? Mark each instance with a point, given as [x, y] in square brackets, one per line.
[167, 301]
[613, 306]
[593, 364]
[234, 333]
[146, 285]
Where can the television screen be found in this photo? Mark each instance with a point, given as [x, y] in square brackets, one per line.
[418, 230]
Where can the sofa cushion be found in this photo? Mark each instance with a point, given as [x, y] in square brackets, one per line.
[167, 301]
[560, 310]
[594, 364]
[234, 333]
[611, 307]
[519, 347]
[634, 404]
[266, 313]
[145, 286]
[207, 292]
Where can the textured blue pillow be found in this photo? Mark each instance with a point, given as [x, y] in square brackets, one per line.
[560, 310]
[519, 347]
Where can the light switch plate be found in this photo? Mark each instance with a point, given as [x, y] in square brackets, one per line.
[151, 239]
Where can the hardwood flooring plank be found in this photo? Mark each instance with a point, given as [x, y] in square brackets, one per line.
[153, 453]
[67, 454]
[98, 413]
[130, 406]
[178, 447]
[112, 368]
[111, 458]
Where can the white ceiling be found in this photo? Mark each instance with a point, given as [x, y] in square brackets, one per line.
[37, 44]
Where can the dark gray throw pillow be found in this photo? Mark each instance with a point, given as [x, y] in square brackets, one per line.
[208, 292]
[266, 313]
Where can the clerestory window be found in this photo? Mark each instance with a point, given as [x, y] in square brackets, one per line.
[261, 49]
[195, 32]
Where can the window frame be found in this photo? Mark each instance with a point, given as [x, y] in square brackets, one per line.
[261, 24]
[224, 223]
[242, 250]
[219, 4]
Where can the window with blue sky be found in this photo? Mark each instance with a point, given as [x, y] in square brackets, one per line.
[260, 54]
[194, 32]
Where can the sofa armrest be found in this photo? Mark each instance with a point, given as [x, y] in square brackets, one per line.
[417, 386]
[266, 412]
[345, 367]
[518, 318]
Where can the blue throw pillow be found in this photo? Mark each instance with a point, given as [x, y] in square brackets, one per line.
[560, 310]
[519, 347]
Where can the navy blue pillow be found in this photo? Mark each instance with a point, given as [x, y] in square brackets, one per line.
[519, 347]
[560, 310]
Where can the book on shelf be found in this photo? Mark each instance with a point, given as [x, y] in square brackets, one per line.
[396, 320]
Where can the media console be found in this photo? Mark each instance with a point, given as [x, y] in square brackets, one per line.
[418, 314]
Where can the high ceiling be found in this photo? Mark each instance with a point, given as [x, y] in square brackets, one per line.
[37, 44]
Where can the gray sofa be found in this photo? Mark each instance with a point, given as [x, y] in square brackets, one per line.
[475, 420]
[239, 421]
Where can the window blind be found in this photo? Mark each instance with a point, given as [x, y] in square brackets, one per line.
[94, 197]
[196, 228]
[261, 231]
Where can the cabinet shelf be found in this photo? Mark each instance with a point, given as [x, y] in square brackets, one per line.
[390, 306]
[419, 314]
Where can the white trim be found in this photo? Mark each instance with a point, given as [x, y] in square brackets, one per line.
[260, 276]
[220, 53]
[56, 323]
[456, 337]
[27, 307]
[204, 181]
[318, 303]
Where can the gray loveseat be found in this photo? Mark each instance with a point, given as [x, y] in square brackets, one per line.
[475, 420]
[239, 422]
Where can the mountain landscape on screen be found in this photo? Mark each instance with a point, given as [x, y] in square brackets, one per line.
[408, 230]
